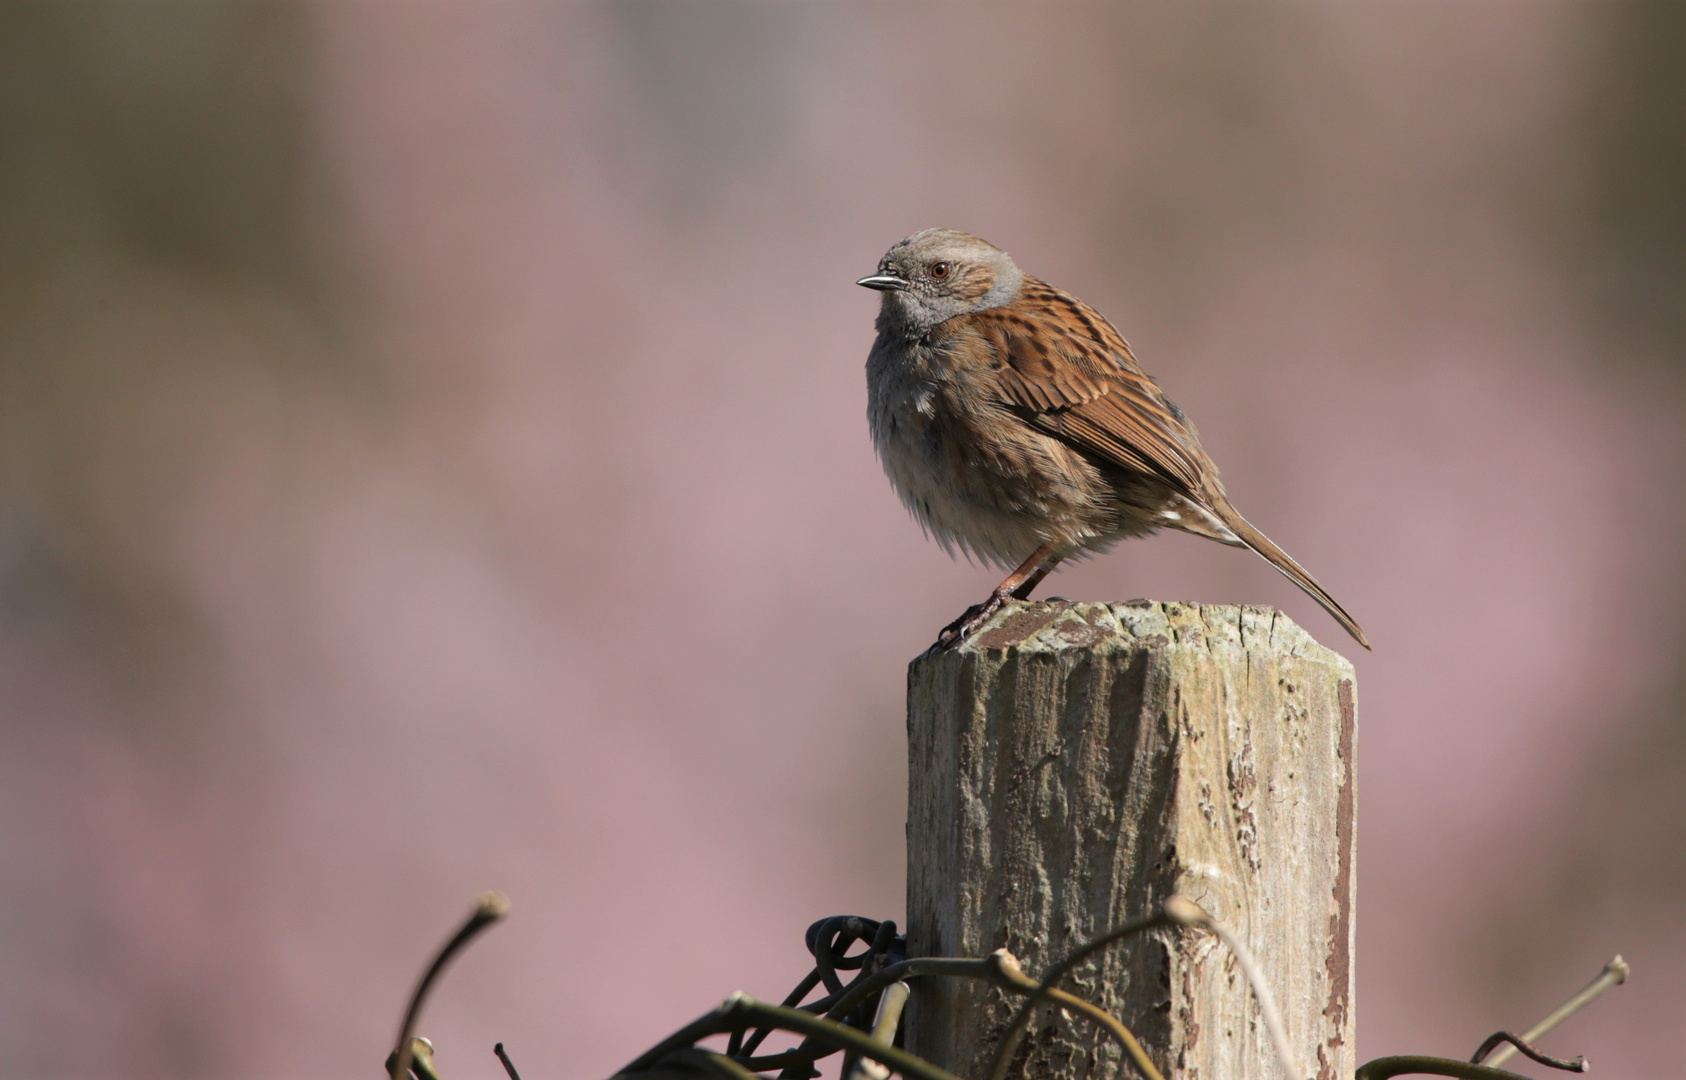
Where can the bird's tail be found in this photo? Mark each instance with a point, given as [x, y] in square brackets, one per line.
[1291, 570]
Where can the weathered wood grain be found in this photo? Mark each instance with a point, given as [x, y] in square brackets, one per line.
[1070, 766]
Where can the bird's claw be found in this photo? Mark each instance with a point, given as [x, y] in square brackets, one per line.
[966, 625]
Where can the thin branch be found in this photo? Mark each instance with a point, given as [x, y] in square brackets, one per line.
[421, 1060]
[883, 1031]
[1567, 1065]
[793, 1000]
[845, 1038]
[1421, 1065]
[1187, 912]
[713, 1022]
[889, 1016]
[488, 909]
[1001, 968]
[827, 940]
[741, 1010]
[858, 992]
[708, 1062]
[1614, 974]
[508, 1065]
[1015, 978]
[826, 1035]
[1010, 1039]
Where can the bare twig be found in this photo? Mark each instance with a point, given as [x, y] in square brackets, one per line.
[1187, 912]
[1001, 968]
[714, 1022]
[1567, 1065]
[858, 992]
[421, 1060]
[740, 1011]
[508, 1065]
[1014, 978]
[873, 1056]
[1422, 1065]
[844, 1038]
[1015, 1028]
[883, 1030]
[889, 1016]
[707, 1061]
[1614, 974]
[828, 940]
[488, 909]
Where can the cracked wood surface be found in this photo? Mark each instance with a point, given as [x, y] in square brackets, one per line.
[1070, 766]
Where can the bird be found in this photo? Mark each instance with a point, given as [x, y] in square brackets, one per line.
[1018, 427]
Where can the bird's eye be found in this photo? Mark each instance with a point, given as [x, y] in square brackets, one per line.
[939, 270]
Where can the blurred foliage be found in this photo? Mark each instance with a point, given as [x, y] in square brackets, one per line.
[1628, 255]
[175, 133]
[1621, 240]
[163, 283]
[705, 96]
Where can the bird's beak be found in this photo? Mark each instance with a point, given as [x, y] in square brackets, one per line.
[883, 282]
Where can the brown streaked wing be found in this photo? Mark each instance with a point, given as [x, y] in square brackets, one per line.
[1070, 373]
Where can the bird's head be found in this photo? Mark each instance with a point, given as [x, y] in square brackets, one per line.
[934, 275]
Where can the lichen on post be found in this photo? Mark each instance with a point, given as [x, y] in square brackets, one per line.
[1071, 766]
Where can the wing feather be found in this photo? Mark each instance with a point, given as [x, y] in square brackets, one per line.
[1071, 374]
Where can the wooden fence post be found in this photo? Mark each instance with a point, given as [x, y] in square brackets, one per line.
[1070, 766]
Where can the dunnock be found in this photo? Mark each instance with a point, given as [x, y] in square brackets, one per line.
[1014, 421]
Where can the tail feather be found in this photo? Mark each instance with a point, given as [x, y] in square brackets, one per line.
[1291, 570]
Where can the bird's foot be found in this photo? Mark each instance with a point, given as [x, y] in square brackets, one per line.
[967, 624]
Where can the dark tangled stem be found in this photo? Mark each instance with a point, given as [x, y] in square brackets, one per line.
[842, 1019]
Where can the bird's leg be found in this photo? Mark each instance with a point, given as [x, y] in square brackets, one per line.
[1017, 586]
[1035, 578]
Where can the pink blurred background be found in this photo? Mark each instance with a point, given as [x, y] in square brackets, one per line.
[433, 458]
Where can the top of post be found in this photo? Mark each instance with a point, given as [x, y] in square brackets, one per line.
[1062, 626]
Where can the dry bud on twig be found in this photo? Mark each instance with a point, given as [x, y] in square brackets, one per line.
[488, 909]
